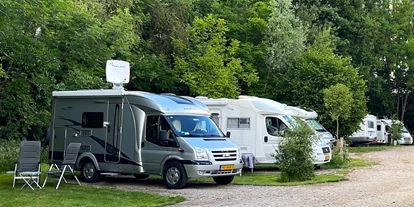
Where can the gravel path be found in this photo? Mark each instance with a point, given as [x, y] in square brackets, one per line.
[390, 183]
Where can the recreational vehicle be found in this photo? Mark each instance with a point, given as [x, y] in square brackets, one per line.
[310, 118]
[255, 123]
[367, 132]
[383, 126]
[140, 133]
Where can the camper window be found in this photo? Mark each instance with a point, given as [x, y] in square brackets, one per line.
[238, 123]
[154, 125]
[274, 125]
[92, 119]
[371, 124]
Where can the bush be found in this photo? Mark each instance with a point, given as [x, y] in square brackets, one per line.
[336, 161]
[9, 154]
[294, 156]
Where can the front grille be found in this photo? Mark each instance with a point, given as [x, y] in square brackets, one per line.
[225, 155]
[326, 150]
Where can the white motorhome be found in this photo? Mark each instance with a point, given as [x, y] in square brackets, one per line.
[383, 126]
[254, 124]
[367, 132]
[140, 133]
[310, 118]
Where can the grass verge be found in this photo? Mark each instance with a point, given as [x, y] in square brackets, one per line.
[75, 195]
[368, 148]
[272, 179]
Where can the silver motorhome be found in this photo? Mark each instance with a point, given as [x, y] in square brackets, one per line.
[140, 133]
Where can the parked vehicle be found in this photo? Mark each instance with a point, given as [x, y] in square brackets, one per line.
[256, 125]
[310, 117]
[383, 135]
[367, 132]
[140, 133]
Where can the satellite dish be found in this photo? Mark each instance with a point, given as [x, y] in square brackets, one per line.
[117, 73]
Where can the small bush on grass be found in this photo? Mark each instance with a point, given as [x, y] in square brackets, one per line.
[9, 154]
[336, 161]
[294, 155]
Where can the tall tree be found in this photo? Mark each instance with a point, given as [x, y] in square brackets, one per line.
[208, 65]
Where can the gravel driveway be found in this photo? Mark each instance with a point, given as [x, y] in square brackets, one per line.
[390, 183]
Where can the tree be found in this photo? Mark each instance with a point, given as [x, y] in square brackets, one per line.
[338, 101]
[285, 39]
[208, 65]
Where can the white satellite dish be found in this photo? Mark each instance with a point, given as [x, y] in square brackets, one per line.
[117, 73]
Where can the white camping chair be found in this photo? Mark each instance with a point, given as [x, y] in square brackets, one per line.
[28, 166]
[67, 165]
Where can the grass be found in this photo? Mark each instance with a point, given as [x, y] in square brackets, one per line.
[75, 195]
[353, 162]
[368, 148]
[272, 179]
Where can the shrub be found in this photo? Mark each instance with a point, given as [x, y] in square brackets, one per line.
[336, 161]
[294, 155]
[9, 154]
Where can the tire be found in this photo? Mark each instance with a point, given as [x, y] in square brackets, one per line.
[141, 176]
[223, 180]
[174, 175]
[89, 173]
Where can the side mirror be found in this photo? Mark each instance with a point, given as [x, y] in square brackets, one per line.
[228, 134]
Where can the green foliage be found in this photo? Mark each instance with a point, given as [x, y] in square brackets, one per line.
[338, 101]
[294, 155]
[396, 130]
[337, 161]
[303, 84]
[9, 154]
[208, 65]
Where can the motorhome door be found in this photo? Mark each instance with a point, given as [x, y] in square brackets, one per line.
[113, 134]
[274, 129]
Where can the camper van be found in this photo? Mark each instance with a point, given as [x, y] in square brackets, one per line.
[383, 126]
[254, 124]
[310, 118]
[367, 132]
[140, 133]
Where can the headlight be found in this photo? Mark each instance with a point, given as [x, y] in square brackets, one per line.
[201, 154]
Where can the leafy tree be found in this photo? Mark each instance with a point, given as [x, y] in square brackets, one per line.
[338, 101]
[285, 39]
[208, 65]
[294, 154]
[396, 130]
[318, 69]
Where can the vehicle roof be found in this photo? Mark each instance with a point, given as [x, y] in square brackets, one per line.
[303, 113]
[260, 105]
[167, 103]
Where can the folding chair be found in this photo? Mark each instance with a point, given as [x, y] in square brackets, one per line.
[67, 165]
[28, 166]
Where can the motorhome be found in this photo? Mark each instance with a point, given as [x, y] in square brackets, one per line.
[140, 133]
[254, 124]
[367, 132]
[310, 117]
[383, 135]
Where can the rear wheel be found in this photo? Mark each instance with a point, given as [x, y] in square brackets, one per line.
[223, 180]
[89, 173]
[174, 175]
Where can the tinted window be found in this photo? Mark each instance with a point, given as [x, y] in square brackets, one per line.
[92, 119]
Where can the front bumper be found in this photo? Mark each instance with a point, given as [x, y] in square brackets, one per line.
[213, 170]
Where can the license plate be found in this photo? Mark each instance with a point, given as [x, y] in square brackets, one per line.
[226, 167]
[327, 157]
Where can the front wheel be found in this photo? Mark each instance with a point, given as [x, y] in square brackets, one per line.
[89, 173]
[174, 175]
[223, 180]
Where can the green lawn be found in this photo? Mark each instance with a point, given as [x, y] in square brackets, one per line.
[368, 148]
[75, 195]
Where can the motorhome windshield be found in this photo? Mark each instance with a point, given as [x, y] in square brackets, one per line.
[404, 130]
[194, 126]
[315, 125]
